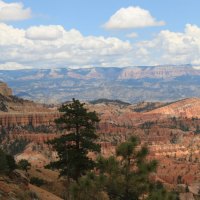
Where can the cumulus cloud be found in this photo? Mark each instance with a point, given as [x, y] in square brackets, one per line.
[72, 49]
[174, 47]
[13, 12]
[132, 17]
[44, 32]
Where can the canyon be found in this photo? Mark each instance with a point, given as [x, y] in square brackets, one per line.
[170, 130]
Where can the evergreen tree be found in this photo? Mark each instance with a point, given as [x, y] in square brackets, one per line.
[24, 165]
[89, 187]
[11, 162]
[4, 168]
[7, 163]
[121, 177]
[127, 176]
[158, 192]
[77, 140]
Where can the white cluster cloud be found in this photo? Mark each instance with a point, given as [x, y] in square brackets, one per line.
[13, 12]
[45, 32]
[47, 46]
[132, 17]
[174, 48]
[53, 46]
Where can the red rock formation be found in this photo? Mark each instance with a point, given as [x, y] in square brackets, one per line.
[177, 150]
[34, 119]
[184, 108]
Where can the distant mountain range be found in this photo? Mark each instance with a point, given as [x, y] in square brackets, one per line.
[130, 84]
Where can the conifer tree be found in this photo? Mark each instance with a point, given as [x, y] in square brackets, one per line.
[4, 168]
[122, 177]
[89, 187]
[11, 162]
[24, 164]
[77, 140]
[7, 163]
[158, 192]
[127, 176]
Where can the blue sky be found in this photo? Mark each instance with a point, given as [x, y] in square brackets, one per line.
[88, 16]
[110, 33]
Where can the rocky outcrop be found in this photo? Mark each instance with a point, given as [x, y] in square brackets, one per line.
[5, 90]
[14, 104]
[15, 111]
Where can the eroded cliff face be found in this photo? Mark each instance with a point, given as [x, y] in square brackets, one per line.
[15, 111]
[33, 119]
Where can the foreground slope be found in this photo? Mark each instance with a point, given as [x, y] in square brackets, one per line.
[16, 186]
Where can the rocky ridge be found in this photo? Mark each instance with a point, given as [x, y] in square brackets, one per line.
[189, 108]
[130, 84]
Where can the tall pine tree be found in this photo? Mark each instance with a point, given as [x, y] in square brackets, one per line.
[77, 140]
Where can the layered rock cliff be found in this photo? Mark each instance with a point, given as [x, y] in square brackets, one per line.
[33, 119]
[16, 111]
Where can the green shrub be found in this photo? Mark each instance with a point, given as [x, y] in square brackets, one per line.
[24, 165]
[37, 181]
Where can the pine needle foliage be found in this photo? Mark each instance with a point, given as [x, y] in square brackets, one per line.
[79, 136]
